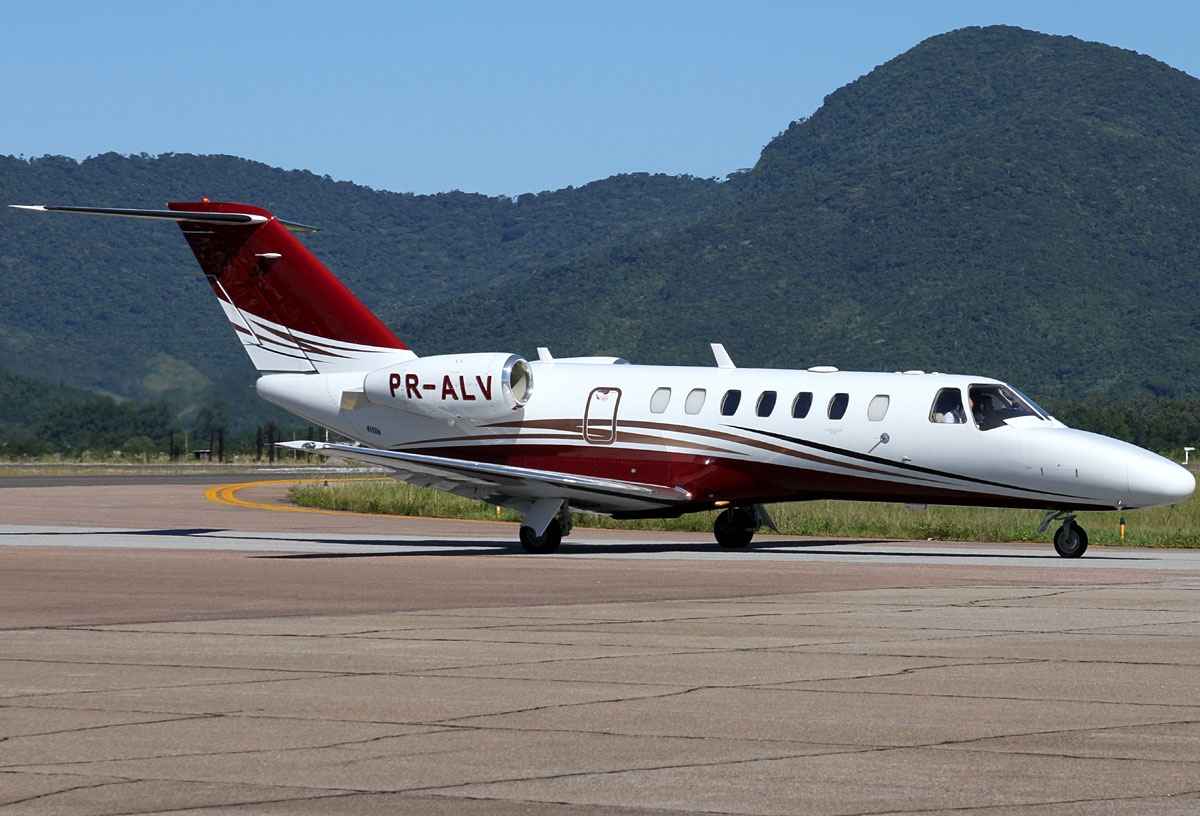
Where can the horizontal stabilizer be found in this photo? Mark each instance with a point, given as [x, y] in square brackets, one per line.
[290, 313]
[226, 218]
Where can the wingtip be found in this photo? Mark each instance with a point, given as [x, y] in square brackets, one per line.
[303, 445]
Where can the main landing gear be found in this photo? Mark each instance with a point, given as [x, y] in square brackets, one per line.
[1070, 540]
[735, 527]
[548, 541]
[542, 544]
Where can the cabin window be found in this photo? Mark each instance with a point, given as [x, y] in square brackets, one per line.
[948, 407]
[729, 403]
[878, 408]
[993, 405]
[838, 405]
[766, 404]
[801, 404]
[660, 400]
[694, 401]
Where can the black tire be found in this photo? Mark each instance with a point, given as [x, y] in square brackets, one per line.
[542, 544]
[734, 529]
[1071, 541]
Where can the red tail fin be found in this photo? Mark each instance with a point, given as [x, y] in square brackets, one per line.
[291, 312]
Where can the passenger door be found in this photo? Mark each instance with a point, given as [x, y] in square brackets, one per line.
[600, 416]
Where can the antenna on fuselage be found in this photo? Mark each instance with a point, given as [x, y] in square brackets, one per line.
[723, 358]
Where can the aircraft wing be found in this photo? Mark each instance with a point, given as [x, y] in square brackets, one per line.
[506, 485]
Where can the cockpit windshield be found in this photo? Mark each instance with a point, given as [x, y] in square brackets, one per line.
[993, 405]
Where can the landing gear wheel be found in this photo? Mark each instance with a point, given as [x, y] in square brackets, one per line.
[735, 527]
[1070, 541]
[542, 544]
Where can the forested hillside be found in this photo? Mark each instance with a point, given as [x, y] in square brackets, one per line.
[121, 307]
[993, 201]
[38, 417]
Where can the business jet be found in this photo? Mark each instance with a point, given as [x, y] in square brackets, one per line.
[554, 436]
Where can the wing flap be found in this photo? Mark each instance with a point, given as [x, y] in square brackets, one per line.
[505, 485]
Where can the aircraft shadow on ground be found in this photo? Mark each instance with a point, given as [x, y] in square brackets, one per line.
[834, 547]
[484, 547]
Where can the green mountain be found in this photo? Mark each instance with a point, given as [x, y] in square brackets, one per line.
[993, 201]
[120, 306]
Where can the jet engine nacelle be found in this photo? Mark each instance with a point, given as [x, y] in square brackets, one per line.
[454, 386]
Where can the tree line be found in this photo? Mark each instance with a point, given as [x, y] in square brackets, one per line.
[104, 428]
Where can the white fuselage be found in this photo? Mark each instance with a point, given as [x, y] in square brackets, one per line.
[871, 436]
[597, 434]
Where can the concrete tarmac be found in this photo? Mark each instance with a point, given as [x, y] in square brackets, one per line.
[164, 652]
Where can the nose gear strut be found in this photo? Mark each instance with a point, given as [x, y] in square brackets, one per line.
[1071, 540]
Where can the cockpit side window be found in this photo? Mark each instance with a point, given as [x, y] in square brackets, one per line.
[993, 405]
[1037, 409]
[948, 407]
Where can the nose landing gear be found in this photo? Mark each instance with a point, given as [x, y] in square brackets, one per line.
[1070, 540]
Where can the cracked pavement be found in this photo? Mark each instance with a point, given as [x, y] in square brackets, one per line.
[228, 682]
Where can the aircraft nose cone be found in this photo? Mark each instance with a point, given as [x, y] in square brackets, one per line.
[1155, 482]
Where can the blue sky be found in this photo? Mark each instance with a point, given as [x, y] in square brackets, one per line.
[500, 98]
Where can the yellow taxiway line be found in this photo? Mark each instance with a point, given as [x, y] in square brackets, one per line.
[226, 494]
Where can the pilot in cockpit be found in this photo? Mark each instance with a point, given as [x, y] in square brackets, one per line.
[981, 407]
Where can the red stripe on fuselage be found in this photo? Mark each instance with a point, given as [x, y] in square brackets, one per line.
[737, 481]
